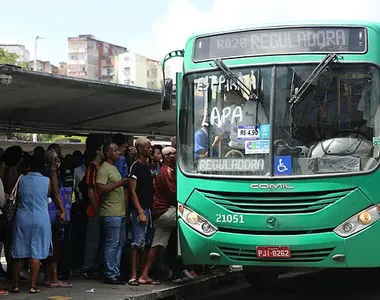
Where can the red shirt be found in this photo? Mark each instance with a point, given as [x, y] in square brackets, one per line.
[91, 171]
[166, 191]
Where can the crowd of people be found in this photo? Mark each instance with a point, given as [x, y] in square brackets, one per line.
[108, 213]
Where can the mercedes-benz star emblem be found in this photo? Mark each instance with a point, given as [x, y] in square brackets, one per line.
[272, 222]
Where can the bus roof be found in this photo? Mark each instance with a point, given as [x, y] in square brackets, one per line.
[373, 24]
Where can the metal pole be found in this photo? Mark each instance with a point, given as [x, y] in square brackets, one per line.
[34, 135]
[35, 54]
[35, 51]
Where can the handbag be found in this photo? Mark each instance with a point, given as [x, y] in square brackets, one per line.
[10, 207]
[66, 196]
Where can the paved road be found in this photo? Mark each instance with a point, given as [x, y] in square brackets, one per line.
[337, 284]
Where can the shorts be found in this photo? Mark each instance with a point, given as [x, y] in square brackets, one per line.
[165, 225]
[142, 234]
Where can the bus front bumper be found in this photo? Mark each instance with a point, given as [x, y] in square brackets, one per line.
[317, 250]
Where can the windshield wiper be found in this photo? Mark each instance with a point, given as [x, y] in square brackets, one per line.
[231, 76]
[329, 58]
[296, 98]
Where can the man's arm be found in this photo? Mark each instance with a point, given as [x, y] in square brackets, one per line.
[102, 180]
[126, 195]
[199, 145]
[90, 181]
[91, 196]
[2, 195]
[135, 199]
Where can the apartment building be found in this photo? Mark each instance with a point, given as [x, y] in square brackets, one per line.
[138, 70]
[43, 66]
[91, 58]
[62, 70]
[131, 69]
[20, 50]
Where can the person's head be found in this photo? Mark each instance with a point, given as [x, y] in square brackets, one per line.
[169, 156]
[78, 158]
[57, 148]
[143, 147]
[173, 141]
[157, 155]
[39, 149]
[96, 151]
[12, 156]
[69, 161]
[93, 140]
[121, 141]
[111, 152]
[37, 162]
[24, 166]
[203, 119]
[233, 97]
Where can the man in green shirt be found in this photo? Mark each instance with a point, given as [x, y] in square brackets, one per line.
[110, 186]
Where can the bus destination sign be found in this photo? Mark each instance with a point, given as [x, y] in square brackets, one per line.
[281, 41]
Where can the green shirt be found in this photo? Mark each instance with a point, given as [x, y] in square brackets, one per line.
[112, 204]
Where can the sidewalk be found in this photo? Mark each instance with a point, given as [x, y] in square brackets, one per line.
[81, 289]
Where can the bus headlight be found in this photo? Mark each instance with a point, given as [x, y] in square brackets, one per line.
[196, 221]
[359, 221]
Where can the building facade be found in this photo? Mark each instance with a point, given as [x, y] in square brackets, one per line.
[62, 68]
[22, 53]
[138, 70]
[131, 69]
[43, 66]
[92, 59]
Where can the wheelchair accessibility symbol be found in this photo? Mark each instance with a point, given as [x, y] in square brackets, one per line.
[282, 165]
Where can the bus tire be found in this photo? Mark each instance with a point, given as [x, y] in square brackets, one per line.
[260, 279]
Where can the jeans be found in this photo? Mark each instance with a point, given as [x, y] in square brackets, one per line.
[142, 234]
[175, 263]
[114, 241]
[93, 257]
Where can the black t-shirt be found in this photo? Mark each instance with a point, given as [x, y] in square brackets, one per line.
[144, 185]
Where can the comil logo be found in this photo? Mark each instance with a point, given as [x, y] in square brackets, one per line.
[265, 186]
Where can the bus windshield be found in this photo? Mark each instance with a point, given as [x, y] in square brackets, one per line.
[222, 131]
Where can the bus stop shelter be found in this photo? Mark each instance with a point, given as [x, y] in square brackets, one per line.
[48, 103]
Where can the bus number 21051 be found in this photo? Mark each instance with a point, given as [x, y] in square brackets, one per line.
[227, 218]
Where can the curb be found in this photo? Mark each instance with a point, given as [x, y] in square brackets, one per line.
[190, 289]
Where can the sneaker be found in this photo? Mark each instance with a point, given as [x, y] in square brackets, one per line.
[187, 274]
[4, 293]
[177, 279]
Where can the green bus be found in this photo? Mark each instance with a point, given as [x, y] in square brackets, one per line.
[278, 140]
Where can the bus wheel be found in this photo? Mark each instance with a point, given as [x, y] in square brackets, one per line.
[260, 279]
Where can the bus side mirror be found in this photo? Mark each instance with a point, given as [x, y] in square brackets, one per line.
[167, 95]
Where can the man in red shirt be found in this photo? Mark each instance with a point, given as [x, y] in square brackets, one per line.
[164, 210]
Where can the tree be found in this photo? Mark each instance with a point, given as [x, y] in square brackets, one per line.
[157, 85]
[8, 58]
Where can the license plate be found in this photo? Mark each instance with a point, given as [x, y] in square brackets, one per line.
[273, 252]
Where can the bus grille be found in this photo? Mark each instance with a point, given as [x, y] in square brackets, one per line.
[315, 255]
[275, 203]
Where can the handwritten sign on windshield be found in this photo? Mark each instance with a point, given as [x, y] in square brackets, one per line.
[281, 41]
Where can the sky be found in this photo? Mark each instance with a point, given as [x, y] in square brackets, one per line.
[154, 27]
